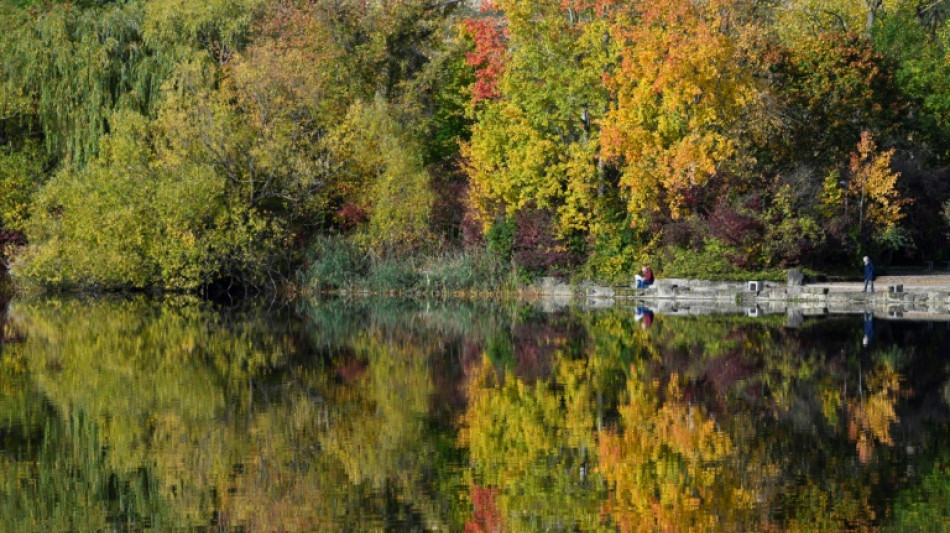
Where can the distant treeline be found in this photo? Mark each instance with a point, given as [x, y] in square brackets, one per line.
[180, 143]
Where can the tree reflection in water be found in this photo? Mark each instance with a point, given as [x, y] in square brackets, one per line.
[127, 414]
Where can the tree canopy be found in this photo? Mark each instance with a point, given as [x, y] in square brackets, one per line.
[192, 143]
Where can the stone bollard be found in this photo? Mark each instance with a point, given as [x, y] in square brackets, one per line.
[796, 278]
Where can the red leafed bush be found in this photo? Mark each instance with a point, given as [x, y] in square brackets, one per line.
[536, 247]
[732, 226]
[740, 229]
[350, 216]
[10, 237]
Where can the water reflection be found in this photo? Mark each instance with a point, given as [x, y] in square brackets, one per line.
[645, 317]
[136, 414]
[868, 328]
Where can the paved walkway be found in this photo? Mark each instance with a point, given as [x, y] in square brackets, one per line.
[912, 281]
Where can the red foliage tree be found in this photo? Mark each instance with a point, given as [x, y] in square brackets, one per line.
[489, 56]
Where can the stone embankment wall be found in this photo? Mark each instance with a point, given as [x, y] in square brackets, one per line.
[677, 295]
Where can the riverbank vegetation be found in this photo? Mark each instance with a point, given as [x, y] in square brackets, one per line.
[171, 144]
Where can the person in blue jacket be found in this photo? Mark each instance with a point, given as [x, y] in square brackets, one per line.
[868, 274]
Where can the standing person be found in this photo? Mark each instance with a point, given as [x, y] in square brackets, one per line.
[868, 274]
[646, 279]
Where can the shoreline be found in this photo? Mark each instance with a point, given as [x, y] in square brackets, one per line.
[926, 295]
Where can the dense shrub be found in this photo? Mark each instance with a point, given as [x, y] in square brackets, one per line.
[126, 221]
[21, 174]
[709, 262]
[613, 246]
[740, 229]
[500, 238]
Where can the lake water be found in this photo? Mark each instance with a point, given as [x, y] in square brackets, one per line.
[134, 414]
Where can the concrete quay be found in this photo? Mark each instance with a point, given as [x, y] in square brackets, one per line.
[925, 300]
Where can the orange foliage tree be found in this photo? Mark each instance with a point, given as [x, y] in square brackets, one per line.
[678, 88]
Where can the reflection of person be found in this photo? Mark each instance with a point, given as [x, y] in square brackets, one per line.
[644, 316]
[868, 274]
[868, 328]
[646, 279]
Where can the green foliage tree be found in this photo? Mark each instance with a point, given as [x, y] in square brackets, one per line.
[66, 69]
[266, 150]
[537, 142]
[915, 39]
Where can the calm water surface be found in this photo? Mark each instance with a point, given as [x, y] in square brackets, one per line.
[131, 415]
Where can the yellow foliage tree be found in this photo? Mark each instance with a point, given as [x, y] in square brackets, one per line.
[874, 185]
[381, 169]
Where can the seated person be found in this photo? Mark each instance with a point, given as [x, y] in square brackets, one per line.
[646, 279]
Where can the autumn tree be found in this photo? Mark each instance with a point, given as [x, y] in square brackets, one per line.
[868, 204]
[537, 100]
[873, 183]
[678, 87]
[222, 110]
